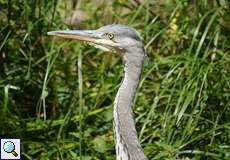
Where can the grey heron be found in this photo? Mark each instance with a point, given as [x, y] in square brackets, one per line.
[127, 43]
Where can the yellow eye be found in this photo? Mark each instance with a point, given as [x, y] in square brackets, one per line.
[110, 35]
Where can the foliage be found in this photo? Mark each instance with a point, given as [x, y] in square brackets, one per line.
[57, 95]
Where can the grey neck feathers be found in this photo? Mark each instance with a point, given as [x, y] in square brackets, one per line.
[127, 143]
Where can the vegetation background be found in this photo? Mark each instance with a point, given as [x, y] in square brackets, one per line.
[57, 95]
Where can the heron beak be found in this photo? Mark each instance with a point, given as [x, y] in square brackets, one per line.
[91, 36]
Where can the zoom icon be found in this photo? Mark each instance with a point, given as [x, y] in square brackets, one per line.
[10, 149]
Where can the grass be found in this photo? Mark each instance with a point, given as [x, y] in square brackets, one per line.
[57, 95]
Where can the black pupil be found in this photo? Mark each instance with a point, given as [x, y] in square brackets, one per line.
[110, 35]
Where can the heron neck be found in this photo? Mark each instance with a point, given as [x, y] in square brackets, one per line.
[127, 143]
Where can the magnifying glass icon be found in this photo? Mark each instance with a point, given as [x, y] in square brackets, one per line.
[9, 147]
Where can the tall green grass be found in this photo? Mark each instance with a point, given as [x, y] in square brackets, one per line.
[57, 95]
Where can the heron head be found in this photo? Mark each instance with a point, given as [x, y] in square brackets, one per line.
[115, 37]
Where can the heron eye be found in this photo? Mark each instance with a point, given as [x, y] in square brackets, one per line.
[110, 35]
